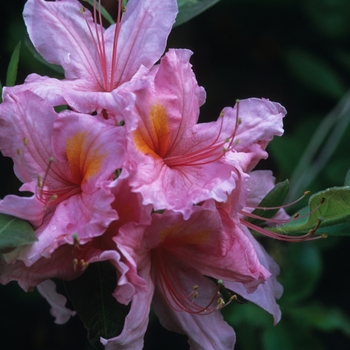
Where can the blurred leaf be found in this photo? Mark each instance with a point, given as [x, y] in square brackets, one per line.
[347, 179]
[323, 318]
[334, 211]
[104, 12]
[277, 338]
[191, 8]
[13, 66]
[274, 198]
[14, 232]
[37, 56]
[91, 296]
[302, 269]
[315, 73]
[246, 314]
[286, 336]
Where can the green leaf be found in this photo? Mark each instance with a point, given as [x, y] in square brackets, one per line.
[56, 68]
[316, 315]
[14, 232]
[191, 8]
[334, 213]
[347, 179]
[274, 198]
[315, 73]
[287, 336]
[13, 66]
[91, 295]
[306, 268]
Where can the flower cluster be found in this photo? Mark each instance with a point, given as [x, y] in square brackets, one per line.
[125, 174]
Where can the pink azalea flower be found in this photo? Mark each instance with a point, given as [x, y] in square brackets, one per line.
[175, 162]
[175, 257]
[68, 161]
[95, 61]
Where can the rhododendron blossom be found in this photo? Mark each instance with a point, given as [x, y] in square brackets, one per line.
[68, 161]
[95, 61]
[175, 162]
[125, 174]
[184, 258]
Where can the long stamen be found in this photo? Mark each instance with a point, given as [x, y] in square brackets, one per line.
[99, 45]
[174, 293]
[53, 196]
[209, 154]
[306, 193]
[79, 252]
[283, 237]
[115, 43]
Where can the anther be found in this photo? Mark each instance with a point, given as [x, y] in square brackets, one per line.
[220, 303]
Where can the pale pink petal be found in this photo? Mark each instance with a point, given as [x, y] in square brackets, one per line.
[137, 319]
[266, 294]
[60, 265]
[209, 332]
[144, 31]
[57, 302]
[25, 132]
[64, 24]
[174, 162]
[261, 120]
[26, 208]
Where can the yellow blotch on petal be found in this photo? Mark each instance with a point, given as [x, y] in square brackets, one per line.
[83, 162]
[153, 136]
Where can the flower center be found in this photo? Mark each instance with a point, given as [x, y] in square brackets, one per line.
[153, 138]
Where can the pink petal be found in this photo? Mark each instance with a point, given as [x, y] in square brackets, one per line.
[137, 319]
[204, 331]
[142, 40]
[25, 132]
[57, 301]
[63, 23]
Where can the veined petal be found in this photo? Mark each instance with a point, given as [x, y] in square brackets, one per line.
[60, 265]
[64, 24]
[209, 332]
[144, 31]
[266, 294]
[137, 319]
[25, 132]
[173, 162]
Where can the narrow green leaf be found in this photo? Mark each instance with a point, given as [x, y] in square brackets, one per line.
[274, 198]
[315, 73]
[91, 295]
[13, 66]
[14, 233]
[104, 12]
[347, 179]
[191, 8]
[334, 213]
[56, 68]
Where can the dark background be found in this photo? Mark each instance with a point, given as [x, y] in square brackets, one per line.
[293, 52]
